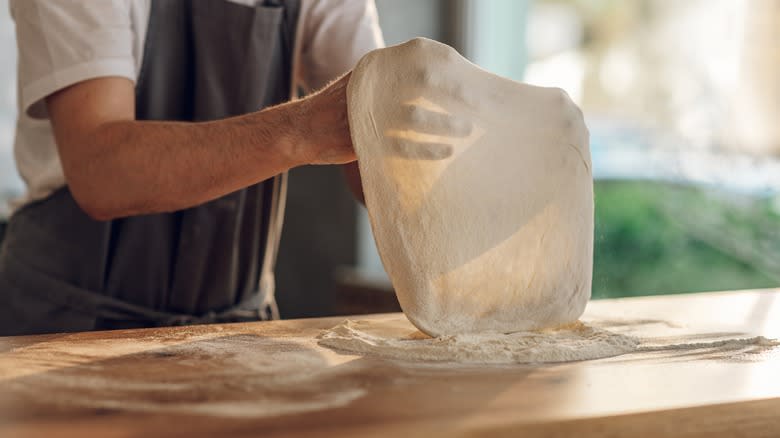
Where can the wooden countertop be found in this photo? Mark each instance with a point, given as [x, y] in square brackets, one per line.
[273, 379]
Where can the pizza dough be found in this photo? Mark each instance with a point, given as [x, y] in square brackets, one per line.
[478, 188]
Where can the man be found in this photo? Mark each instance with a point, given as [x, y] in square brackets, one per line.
[155, 186]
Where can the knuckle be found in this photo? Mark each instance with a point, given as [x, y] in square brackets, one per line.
[415, 114]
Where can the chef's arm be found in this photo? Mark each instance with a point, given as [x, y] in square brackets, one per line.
[116, 166]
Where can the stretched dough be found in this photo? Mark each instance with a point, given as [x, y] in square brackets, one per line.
[478, 188]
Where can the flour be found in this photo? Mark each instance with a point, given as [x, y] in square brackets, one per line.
[478, 189]
[572, 342]
[210, 373]
[723, 344]
[392, 339]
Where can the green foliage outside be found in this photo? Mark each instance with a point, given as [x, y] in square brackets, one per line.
[660, 238]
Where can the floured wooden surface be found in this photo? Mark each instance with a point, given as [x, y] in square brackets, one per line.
[274, 378]
[228, 371]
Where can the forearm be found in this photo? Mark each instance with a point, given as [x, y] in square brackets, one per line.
[141, 167]
[116, 166]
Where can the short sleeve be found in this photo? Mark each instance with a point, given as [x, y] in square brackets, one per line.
[63, 42]
[337, 33]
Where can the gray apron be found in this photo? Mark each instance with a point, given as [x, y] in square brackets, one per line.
[62, 271]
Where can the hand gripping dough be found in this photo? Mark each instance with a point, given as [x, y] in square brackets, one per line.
[478, 188]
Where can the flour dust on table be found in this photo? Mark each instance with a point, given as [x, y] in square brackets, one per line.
[204, 370]
[572, 342]
[478, 189]
[393, 337]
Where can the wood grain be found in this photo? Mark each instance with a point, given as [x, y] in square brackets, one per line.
[273, 379]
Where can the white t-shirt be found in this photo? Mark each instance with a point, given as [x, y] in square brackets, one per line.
[62, 42]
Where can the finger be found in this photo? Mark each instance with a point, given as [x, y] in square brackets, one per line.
[435, 123]
[418, 150]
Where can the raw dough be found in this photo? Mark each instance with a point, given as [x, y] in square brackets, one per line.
[478, 188]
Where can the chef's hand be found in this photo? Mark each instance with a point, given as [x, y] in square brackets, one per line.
[422, 134]
[322, 126]
[418, 132]
[425, 134]
[429, 116]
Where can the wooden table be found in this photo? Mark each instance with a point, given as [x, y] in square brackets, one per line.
[269, 379]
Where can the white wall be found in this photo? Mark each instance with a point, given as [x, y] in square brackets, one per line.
[402, 20]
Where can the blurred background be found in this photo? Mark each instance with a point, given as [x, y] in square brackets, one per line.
[683, 104]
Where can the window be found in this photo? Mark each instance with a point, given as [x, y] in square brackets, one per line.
[682, 100]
